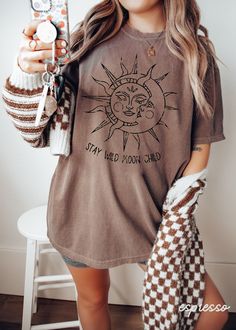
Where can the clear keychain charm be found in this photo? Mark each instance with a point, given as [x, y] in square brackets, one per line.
[50, 105]
[51, 102]
[51, 99]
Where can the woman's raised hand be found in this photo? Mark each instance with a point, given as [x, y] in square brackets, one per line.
[33, 51]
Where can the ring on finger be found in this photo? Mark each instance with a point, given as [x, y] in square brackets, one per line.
[52, 68]
[32, 44]
[23, 32]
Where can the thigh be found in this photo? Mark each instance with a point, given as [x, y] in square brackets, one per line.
[212, 294]
[92, 284]
[211, 319]
[142, 265]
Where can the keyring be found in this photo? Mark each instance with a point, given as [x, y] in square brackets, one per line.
[56, 70]
[23, 32]
[46, 77]
[32, 42]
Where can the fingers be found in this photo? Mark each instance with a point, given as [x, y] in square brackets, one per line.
[39, 55]
[31, 28]
[33, 51]
[41, 45]
[32, 67]
[29, 61]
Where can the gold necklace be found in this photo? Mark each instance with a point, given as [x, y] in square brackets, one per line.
[151, 50]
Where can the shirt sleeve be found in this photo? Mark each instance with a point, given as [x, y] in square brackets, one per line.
[208, 130]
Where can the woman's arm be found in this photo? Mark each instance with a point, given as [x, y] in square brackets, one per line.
[199, 159]
[22, 90]
[21, 94]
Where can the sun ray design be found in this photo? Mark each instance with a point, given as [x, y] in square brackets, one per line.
[135, 66]
[104, 84]
[99, 98]
[162, 123]
[118, 124]
[123, 68]
[125, 139]
[101, 125]
[97, 109]
[134, 103]
[153, 133]
[137, 138]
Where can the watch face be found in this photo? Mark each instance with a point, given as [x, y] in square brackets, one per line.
[46, 32]
[41, 5]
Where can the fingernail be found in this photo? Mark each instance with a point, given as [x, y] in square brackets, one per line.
[63, 43]
[63, 50]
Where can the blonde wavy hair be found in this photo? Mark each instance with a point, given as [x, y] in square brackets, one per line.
[106, 18]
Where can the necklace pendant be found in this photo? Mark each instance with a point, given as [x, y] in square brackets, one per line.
[151, 51]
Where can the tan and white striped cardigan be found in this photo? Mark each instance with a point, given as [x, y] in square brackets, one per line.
[21, 94]
[175, 268]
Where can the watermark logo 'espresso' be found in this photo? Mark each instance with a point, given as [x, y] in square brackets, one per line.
[203, 308]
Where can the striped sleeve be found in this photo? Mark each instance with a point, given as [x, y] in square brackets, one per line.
[21, 94]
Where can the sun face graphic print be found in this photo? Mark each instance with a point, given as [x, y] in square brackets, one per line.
[133, 103]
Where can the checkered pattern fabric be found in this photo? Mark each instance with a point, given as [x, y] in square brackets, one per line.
[61, 124]
[192, 283]
[61, 117]
[175, 268]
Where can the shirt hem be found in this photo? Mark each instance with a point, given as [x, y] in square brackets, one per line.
[96, 263]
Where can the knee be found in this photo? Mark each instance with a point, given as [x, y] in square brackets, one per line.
[142, 266]
[213, 321]
[223, 317]
[220, 319]
[93, 300]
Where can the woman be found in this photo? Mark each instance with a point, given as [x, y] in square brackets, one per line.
[142, 120]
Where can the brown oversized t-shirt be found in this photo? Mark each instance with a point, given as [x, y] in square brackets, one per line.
[134, 127]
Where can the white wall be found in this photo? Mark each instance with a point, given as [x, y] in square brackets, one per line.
[216, 216]
[25, 173]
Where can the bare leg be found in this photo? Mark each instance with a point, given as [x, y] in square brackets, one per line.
[92, 287]
[212, 320]
[142, 266]
[209, 320]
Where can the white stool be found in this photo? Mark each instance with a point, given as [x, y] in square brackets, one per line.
[32, 224]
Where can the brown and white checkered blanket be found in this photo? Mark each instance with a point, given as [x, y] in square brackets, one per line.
[61, 124]
[174, 278]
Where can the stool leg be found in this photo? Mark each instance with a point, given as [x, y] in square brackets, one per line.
[76, 297]
[76, 300]
[36, 273]
[29, 284]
